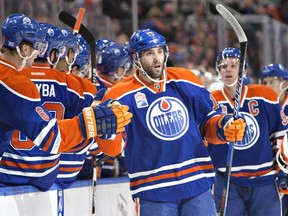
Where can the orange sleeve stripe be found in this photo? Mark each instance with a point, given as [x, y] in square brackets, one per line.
[171, 175]
[84, 144]
[30, 166]
[249, 174]
[49, 141]
[70, 169]
[94, 152]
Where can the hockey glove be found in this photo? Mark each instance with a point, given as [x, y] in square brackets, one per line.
[230, 130]
[104, 120]
[282, 182]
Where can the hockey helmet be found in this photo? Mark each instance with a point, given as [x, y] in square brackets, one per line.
[274, 70]
[146, 39]
[71, 42]
[83, 58]
[229, 52]
[55, 40]
[18, 27]
[112, 57]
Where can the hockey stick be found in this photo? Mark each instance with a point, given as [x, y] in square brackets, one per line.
[70, 21]
[94, 180]
[79, 20]
[243, 48]
[60, 192]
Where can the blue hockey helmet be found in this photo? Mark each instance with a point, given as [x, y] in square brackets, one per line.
[274, 70]
[229, 52]
[71, 42]
[55, 40]
[17, 27]
[127, 49]
[112, 57]
[102, 43]
[146, 39]
[83, 58]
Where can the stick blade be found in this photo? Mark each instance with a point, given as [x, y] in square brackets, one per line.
[70, 21]
[232, 21]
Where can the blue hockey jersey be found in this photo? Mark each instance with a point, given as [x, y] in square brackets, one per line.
[24, 163]
[165, 155]
[253, 161]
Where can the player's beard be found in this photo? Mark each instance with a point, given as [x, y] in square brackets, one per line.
[153, 72]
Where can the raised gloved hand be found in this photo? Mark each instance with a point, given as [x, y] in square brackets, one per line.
[104, 120]
[282, 182]
[230, 130]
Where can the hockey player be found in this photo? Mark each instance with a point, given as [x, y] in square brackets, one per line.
[112, 61]
[72, 50]
[276, 77]
[82, 64]
[253, 190]
[22, 38]
[170, 170]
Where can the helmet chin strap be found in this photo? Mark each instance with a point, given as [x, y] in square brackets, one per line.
[282, 90]
[70, 64]
[25, 58]
[145, 73]
[232, 84]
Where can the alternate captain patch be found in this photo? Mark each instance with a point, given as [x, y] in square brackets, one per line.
[167, 118]
[141, 100]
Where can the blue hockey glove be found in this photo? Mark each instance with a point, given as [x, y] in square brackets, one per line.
[230, 130]
[282, 182]
[104, 120]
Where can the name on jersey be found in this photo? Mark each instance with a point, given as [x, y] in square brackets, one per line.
[46, 90]
[167, 118]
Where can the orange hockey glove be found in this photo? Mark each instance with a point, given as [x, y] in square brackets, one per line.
[122, 115]
[230, 130]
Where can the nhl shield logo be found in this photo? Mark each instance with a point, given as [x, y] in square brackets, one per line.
[167, 118]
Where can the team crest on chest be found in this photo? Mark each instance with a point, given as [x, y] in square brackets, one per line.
[167, 118]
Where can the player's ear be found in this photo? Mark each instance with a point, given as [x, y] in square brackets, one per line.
[135, 60]
[25, 49]
[285, 82]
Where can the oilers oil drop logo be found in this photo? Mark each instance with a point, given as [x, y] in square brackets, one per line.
[167, 118]
[251, 132]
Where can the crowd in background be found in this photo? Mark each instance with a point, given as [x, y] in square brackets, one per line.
[188, 25]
